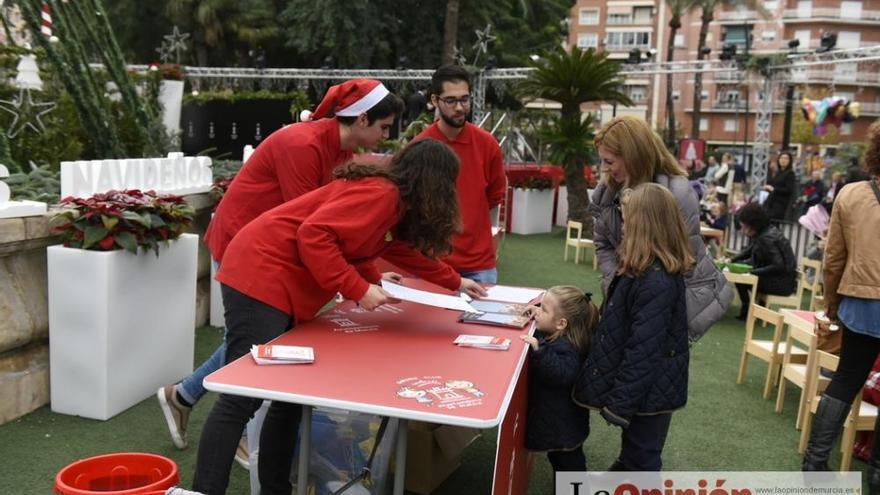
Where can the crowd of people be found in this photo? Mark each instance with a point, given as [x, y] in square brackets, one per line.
[287, 216]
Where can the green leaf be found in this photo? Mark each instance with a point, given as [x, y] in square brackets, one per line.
[156, 221]
[93, 235]
[137, 218]
[128, 241]
[109, 222]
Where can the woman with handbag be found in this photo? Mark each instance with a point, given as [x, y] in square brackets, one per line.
[852, 295]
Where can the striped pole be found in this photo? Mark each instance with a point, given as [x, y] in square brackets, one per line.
[46, 27]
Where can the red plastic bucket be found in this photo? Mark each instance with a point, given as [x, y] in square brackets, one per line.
[118, 474]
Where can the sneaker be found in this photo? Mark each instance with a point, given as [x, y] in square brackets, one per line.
[176, 414]
[242, 455]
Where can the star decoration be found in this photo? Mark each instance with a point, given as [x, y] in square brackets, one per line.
[484, 37]
[26, 113]
[164, 53]
[176, 42]
[459, 57]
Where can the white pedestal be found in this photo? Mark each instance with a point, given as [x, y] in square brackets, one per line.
[171, 101]
[15, 209]
[532, 211]
[217, 319]
[120, 325]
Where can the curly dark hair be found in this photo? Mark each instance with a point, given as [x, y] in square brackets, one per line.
[754, 216]
[425, 172]
[872, 153]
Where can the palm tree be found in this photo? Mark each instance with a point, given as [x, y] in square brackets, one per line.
[677, 9]
[708, 15]
[571, 79]
[450, 32]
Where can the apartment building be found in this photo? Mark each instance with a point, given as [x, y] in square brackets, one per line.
[729, 100]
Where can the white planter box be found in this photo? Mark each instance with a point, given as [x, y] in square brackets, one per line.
[532, 211]
[120, 325]
[171, 101]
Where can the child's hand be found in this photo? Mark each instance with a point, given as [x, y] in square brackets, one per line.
[530, 340]
[531, 311]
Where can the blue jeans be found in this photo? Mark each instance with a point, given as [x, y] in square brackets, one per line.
[191, 388]
[489, 276]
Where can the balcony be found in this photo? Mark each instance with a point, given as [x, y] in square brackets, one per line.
[627, 47]
[737, 15]
[828, 76]
[824, 14]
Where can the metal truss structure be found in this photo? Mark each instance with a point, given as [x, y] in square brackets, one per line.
[776, 77]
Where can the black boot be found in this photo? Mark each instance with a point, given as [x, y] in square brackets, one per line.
[826, 425]
[617, 465]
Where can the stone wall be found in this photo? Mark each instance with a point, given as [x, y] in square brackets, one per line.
[24, 309]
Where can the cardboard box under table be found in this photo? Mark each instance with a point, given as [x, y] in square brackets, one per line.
[433, 453]
[399, 361]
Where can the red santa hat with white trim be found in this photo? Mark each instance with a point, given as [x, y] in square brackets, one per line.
[349, 99]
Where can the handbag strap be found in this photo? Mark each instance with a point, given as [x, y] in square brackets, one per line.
[876, 189]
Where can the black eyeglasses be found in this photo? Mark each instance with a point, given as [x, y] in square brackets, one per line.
[452, 101]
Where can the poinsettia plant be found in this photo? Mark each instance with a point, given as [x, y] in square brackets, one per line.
[218, 189]
[539, 182]
[128, 219]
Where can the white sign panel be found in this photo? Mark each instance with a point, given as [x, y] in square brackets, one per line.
[14, 209]
[176, 174]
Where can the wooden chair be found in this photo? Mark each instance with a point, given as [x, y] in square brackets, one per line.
[770, 351]
[748, 279]
[799, 331]
[815, 288]
[574, 238]
[861, 417]
[793, 301]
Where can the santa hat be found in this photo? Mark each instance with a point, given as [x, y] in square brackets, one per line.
[350, 99]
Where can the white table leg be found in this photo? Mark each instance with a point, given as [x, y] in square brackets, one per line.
[302, 474]
[400, 454]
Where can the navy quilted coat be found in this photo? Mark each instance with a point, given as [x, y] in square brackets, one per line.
[638, 362]
[554, 422]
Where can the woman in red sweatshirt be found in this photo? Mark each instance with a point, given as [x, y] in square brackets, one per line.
[285, 265]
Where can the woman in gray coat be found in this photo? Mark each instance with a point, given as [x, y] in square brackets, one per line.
[631, 154]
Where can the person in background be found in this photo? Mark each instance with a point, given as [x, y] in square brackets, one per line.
[481, 184]
[290, 162]
[813, 191]
[285, 265]
[852, 298]
[565, 323]
[770, 255]
[781, 187]
[711, 170]
[636, 372]
[833, 189]
[724, 177]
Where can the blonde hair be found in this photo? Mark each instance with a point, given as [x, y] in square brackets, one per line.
[579, 312]
[643, 153]
[653, 228]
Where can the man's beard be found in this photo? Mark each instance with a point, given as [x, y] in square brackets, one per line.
[450, 121]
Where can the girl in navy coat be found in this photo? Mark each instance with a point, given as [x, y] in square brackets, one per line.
[565, 320]
[637, 369]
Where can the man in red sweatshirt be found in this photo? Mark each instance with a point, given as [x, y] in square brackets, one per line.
[481, 182]
[292, 161]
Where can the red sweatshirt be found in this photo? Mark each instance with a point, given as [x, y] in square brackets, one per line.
[292, 161]
[297, 256]
[481, 186]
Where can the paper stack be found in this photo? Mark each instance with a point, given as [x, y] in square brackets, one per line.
[282, 354]
[483, 342]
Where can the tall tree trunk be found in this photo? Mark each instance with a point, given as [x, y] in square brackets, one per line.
[578, 197]
[450, 32]
[674, 24]
[706, 18]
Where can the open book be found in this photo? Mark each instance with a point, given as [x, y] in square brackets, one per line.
[282, 354]
[496, 313]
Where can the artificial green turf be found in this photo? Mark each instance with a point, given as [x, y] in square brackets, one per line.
[725, 427]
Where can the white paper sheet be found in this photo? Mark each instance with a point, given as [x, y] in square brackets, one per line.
[427, 298]
[512, 294]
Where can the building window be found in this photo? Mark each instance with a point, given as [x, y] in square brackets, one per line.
[629, 39]
[588, 40]
[768, 36]
[679, 39]
[730, 125]
[642, 15]
[589, 17]
[704, 95]
[619, 19]
[850, 10]
[735, 34]
[704, 124]
[637, 94]
[848, 39]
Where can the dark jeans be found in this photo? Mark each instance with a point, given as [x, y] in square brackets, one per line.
[568, 460]
[744, 297]
[642, 442]
[857, 355]
[248, 322]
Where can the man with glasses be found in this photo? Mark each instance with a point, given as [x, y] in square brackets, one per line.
[481, 181]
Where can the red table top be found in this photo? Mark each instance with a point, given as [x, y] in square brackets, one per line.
[397, 361]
